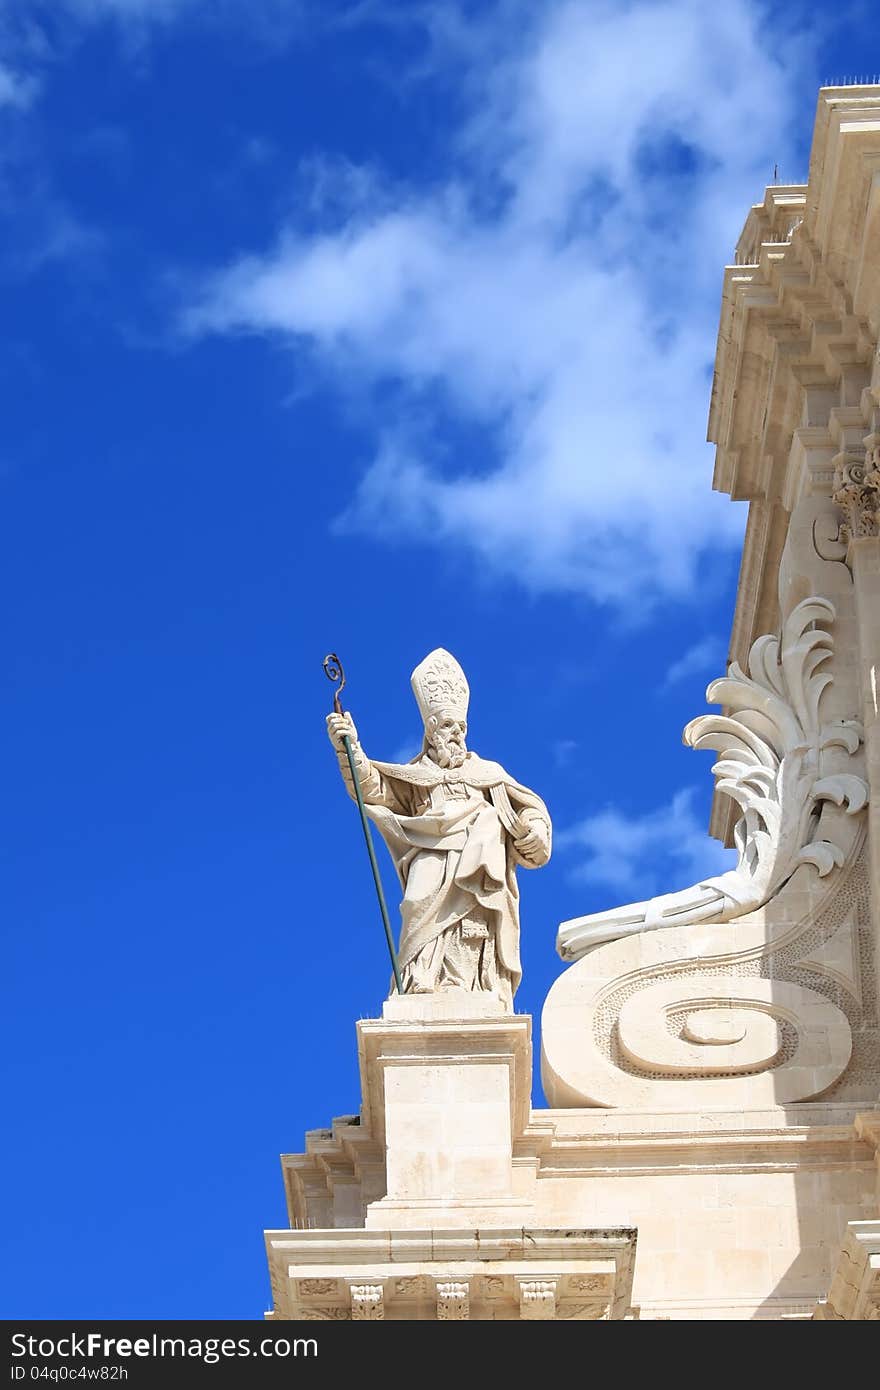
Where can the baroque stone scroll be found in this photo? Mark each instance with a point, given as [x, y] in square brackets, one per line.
[745, 984]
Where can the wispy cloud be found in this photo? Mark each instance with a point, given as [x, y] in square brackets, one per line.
[639, 856]
[564, 750]
[704, 656]
[39, 33]
[16, 89]
[41, 224]
[129, 9]
[560, 289]
[406, 751]
[151, 11]
[48, 230]
[260, 18]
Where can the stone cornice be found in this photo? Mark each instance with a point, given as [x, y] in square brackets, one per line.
[341, 1171]
[457, 1274]
[868, 1126]
[566, 1143]
[343, 1168]
[798, 298]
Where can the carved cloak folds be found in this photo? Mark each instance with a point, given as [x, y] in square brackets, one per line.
[451, 832]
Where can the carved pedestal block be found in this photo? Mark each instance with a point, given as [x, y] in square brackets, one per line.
[446, 1091]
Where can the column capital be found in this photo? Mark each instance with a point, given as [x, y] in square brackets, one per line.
[856, 489]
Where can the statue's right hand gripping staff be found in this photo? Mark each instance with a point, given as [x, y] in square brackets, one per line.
[334, 672]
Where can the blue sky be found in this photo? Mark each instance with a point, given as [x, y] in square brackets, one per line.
[368, 327]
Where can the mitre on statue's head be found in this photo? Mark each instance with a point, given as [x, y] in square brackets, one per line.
[440, 687]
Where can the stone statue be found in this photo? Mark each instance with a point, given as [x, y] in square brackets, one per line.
[457, 826]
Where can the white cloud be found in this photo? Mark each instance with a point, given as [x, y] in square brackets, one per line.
[16, 89]
[640, 856]
[562, 289]
[706, 656]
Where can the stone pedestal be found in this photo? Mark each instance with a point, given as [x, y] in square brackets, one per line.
[412, 1209]
[446, 1082]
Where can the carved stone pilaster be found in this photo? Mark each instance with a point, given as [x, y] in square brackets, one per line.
[453, 1300]
[857, 489]
[367, 1302]
[537, 1299]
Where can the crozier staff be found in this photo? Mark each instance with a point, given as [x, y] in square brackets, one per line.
[334, 672]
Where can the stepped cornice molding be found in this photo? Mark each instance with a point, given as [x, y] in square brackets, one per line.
[797, 342]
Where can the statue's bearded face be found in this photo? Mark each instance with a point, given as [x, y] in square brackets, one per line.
[446, 745]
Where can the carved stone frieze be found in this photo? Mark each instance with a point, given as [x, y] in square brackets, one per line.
[452, 1275]
[325, 1313]
[310, 1287]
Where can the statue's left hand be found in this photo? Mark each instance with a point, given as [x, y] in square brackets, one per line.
[534, 840]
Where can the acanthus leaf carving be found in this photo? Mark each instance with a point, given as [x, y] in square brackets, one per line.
[843, 789]
[857, 489]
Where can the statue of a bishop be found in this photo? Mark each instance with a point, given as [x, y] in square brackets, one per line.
[457, 827]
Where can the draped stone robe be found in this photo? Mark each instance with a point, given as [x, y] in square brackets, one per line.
[451, 835]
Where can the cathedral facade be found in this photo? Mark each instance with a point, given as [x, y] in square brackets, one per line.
[710, 1058]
